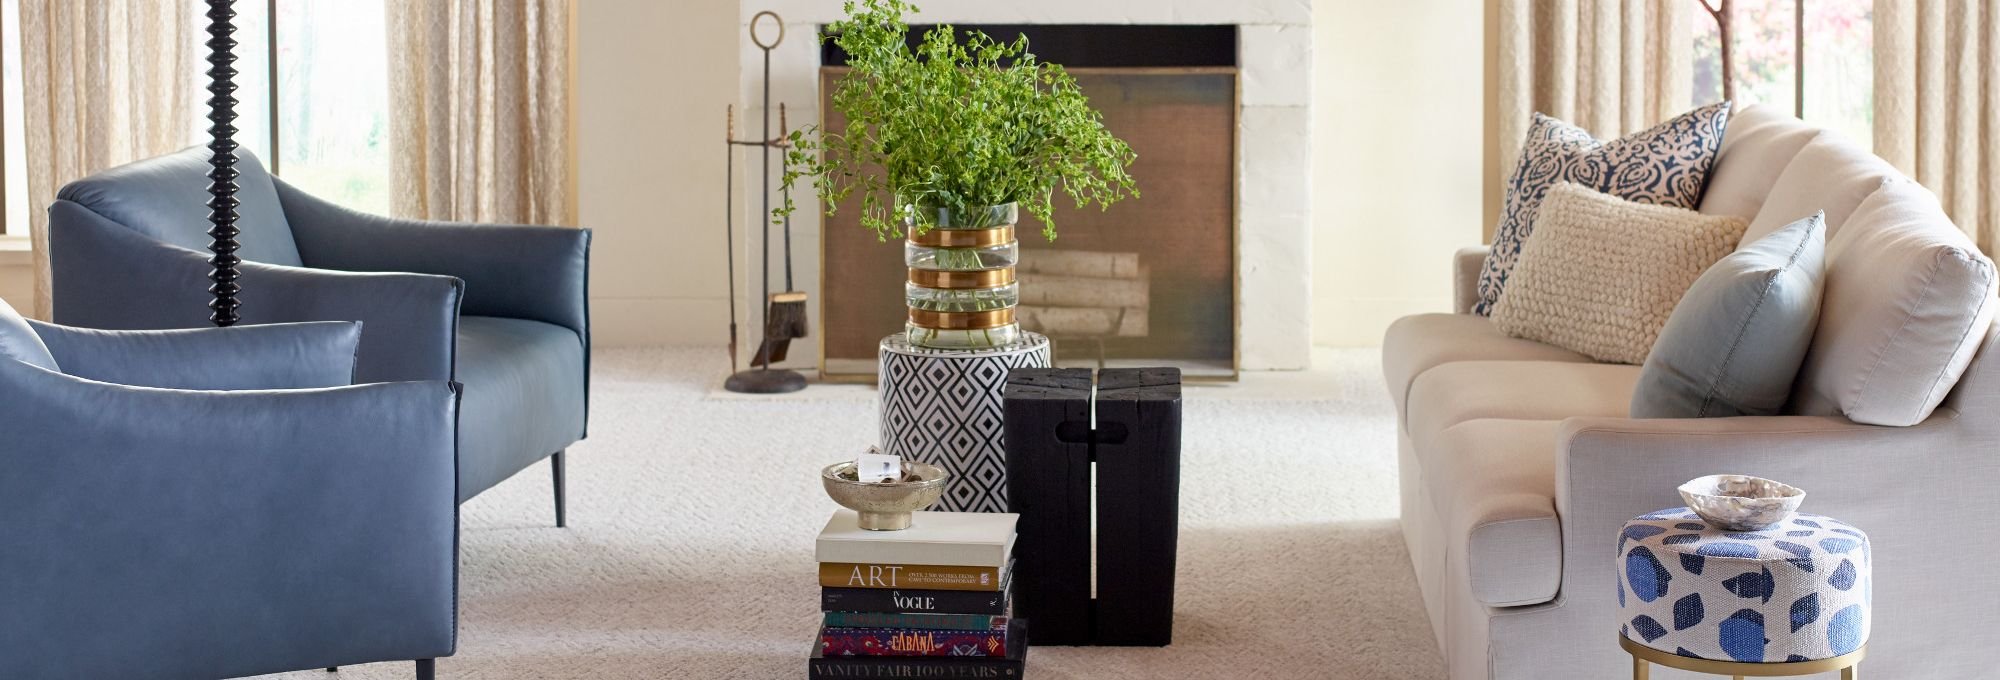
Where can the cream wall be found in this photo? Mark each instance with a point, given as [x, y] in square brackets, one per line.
[1398, 159]
[652, 81]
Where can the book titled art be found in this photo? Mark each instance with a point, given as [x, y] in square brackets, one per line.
[930, 577]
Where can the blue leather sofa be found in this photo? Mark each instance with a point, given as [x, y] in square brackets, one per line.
[500, 309]
[219, 503]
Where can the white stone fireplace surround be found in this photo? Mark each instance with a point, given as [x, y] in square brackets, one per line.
[1274, 169]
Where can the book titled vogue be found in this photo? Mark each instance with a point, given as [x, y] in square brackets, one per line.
[905, 601]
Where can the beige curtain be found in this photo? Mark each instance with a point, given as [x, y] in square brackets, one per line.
[479, 112]
[1609, 66]
[104, 82]
[1937, 103]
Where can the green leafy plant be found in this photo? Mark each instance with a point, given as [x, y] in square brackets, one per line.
[953, 126]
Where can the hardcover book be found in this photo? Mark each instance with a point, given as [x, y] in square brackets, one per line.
[822, 667]
[903, 601]
[913, 641]
[913, 621]
[924, 576]
[969, 539]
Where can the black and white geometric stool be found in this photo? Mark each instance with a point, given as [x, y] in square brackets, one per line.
[942, 406]
[1789, 599]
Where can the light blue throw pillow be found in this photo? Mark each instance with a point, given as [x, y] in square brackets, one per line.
[1735, 342]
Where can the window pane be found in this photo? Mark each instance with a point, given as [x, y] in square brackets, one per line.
[1840, 67]
[16, 157]
[1839, 61]
[1762, 48]
[333, 101]
[253, 79]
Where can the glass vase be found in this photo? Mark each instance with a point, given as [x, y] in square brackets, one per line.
[961, 291]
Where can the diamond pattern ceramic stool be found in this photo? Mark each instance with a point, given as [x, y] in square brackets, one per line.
[942, 406]
[1790, 599]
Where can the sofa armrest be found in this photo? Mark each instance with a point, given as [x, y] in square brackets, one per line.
[1465, 267]
[525, 272]
[295, 529]
[1609, 470]
[264, 357]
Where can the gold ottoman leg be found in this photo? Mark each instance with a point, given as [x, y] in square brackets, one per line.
[1851, 672]
[1641, 671]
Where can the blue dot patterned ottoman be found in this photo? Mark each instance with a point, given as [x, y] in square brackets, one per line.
[1797, 591]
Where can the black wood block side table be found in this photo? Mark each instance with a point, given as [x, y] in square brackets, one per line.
[1133, 442]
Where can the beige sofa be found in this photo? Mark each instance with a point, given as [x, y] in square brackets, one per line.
[1519, 465]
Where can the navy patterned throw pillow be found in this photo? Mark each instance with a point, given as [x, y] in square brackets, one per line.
[1665, 165]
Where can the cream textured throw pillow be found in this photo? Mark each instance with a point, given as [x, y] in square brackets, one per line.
[1601, 274]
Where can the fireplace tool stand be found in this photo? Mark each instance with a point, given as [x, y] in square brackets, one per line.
[784, 314]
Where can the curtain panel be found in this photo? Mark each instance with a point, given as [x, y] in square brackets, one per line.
[1937, 104]
[1609, 66]
[480, 110]
[104, 82]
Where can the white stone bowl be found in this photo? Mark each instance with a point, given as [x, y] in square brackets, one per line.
[1741, 502]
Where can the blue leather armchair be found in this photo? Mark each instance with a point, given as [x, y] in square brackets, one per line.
[219, 503]
[500, 309]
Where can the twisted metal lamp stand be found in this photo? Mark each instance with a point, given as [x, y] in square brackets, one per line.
[222, 201]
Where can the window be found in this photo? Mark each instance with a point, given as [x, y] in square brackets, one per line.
[332, 107]
[333, 97]
[13, 144]
[1839, 60]
[333, 100]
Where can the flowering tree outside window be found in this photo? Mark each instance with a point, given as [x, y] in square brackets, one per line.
[1839, 60]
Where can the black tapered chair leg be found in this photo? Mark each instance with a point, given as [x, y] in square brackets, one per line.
[426, 669]
[556, 466]
[333, 669]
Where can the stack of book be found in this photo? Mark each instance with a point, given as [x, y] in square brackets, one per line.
[931, 601]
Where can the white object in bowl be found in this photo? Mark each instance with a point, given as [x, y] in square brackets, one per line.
[1741, 502]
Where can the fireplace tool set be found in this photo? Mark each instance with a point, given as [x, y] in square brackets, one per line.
[785, 311]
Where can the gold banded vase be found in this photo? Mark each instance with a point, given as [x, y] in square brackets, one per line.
[961, 291]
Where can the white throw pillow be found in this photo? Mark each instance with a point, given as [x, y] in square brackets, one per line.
[1908, 300]
[1601, 274]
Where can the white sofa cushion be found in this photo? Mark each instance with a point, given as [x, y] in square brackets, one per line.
[1831, 175]
[1601, 274]
[1528, 390]
[1492, 483]
[1908, 299]
[1420, 342]
[1760, 142]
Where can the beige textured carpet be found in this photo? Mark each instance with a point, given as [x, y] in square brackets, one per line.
[689, 552]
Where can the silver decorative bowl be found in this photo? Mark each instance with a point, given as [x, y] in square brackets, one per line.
[885, 506]
[1741, 502]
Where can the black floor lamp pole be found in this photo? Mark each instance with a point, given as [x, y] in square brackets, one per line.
[222, 148]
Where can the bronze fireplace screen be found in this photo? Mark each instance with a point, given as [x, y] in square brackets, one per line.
[1149, 282]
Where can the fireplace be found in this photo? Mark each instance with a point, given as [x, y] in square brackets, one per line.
[1149, 282]
[1206, 271]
